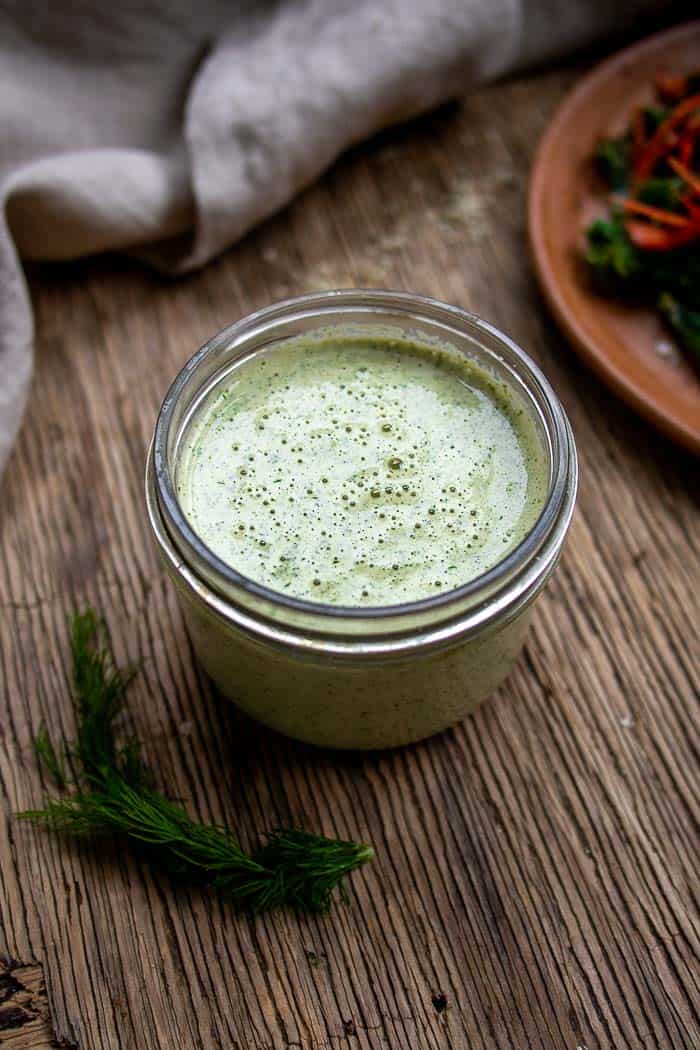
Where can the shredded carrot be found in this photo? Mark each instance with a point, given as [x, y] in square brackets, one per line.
[668, 218]
[659, 143]
[686, 174]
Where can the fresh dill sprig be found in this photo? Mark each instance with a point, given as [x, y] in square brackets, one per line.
[54, 764]
[114, 795]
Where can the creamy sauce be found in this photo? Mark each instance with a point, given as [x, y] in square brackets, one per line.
[361, 472]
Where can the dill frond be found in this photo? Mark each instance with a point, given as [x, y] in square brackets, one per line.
[115, 796]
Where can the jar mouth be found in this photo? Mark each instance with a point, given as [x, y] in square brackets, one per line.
[328, 310]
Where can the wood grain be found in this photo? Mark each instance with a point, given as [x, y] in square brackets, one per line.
[536, 874]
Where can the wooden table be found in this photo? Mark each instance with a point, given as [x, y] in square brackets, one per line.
[535, 868]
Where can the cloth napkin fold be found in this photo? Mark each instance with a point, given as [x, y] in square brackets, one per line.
[172, 128]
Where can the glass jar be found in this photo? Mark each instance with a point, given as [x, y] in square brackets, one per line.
[358, 677]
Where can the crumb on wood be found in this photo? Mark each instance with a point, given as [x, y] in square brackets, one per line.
[315, 958]
[440, 1002]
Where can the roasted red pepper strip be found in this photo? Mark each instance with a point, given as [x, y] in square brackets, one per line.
[655, 239]
[659, 143]
[685, 149]
[691, 205]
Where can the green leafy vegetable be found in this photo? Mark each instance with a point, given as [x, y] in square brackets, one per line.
[618, 267]
[662, 192]
[612, 157]
[114, 795]
[654, 116]
[611, 254]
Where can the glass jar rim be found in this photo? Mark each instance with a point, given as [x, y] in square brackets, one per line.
[231, 584]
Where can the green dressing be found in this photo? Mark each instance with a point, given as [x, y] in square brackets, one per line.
[361, 472]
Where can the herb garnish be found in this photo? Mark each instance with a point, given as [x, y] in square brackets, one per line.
[649, 246]
[114, 795]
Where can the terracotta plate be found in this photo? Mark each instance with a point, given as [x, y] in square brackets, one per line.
[629, 347]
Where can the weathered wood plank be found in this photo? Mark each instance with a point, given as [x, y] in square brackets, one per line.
[536, 874]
